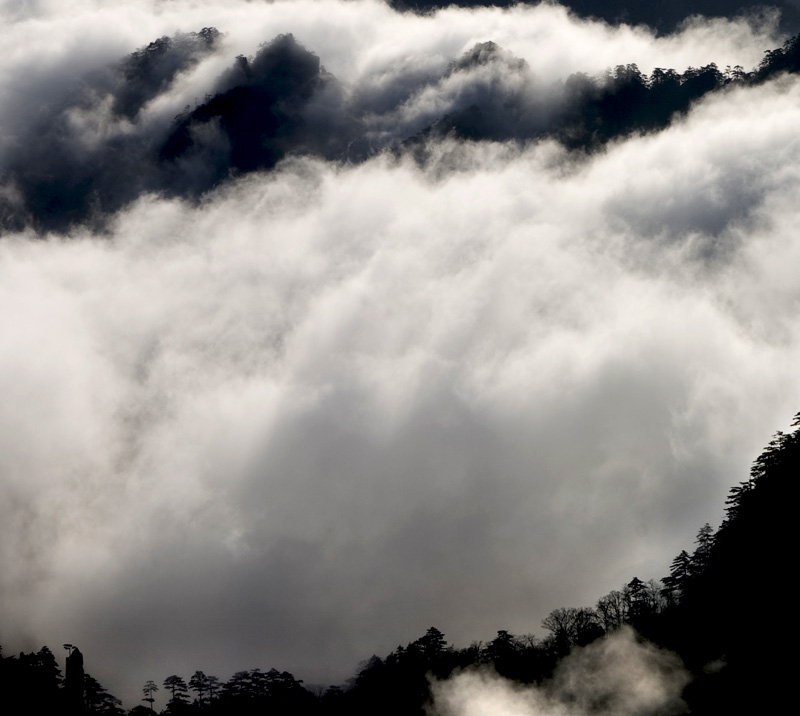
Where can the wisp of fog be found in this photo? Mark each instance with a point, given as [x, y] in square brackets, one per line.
[620, 674]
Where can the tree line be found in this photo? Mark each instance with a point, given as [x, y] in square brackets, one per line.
[720, 608]
[615, 105]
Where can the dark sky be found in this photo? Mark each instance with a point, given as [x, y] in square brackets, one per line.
[304, 416]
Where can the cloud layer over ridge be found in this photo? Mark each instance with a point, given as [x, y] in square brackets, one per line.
[312, 412]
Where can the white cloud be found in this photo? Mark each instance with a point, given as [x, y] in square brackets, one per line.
[302, 420]
[619, 675]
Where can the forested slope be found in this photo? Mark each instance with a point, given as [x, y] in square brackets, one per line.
[720, 609]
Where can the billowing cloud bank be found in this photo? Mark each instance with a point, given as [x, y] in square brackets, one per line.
[328, 405]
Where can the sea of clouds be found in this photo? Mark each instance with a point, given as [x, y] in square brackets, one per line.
[333, 404]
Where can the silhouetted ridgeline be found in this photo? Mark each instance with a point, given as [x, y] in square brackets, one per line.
[719, 609]
[282, 102]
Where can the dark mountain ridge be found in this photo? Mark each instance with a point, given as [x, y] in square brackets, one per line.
[664, 16]
[265, 108]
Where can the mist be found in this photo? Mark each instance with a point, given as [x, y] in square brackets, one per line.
[622, 674]
[297, 414]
